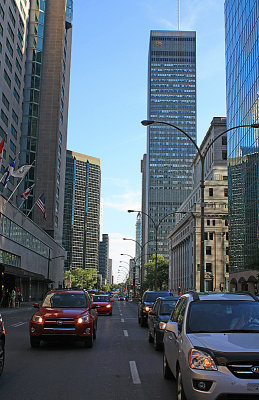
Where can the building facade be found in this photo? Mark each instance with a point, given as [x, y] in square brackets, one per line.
[185, 239]
[104, 262]
[242, 65]
[171, 99]
[82, 210]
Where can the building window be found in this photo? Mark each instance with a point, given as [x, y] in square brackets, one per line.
[213, 222]
[208, 267]
[9, 47]
[4, 118]
[17, 80]
[226, 222]
[208, 222]
[211, 235]
[5, 101]
[227, 251]
[57, 206]
[198, 267]
[18, 66]
[227, 267]
[16, 95]
[8, 63]
[210, 192]
[206, 235]
[226, 235]
[9, 29]
[13, 131]
[12, 147]
[56, 221]
[15, 117]
[11, 16]
[1, 11]
[224, 140]
[1, 29]
[224, 154]
[226, 192]
[19, 51]
[208, 250]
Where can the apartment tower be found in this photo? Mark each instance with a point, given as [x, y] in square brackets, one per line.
[82, 210]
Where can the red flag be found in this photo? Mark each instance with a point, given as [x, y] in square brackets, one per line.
[1, 151]
[26, 193]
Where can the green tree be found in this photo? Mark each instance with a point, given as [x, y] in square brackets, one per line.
[81, 278]
[162, 273]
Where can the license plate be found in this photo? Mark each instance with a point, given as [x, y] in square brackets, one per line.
[253, 387]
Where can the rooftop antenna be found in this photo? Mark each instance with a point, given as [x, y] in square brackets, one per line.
[178, 15]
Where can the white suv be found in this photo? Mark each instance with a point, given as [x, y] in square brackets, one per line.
[211, 346]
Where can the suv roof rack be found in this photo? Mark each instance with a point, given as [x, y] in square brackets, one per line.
[194, 295]
[248, 293]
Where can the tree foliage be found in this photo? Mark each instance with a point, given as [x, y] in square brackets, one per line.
[81, 278]
[162, 273]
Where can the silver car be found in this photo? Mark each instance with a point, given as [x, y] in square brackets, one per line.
[211, 346]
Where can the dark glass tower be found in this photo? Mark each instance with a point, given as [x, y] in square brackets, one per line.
[242, 69]
[171, 98]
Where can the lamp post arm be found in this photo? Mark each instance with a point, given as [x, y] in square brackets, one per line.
[181, 130]
[222, 133]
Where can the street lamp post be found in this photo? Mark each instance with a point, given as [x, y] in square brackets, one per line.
[202, 155]
[156, 226]
[134, 272]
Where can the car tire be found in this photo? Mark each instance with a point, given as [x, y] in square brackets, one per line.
[180, 395]
[167, 373]
[150, 337]
[2, 356]
[157, 345]
[94, 333]
[89, 341]
[35, 342]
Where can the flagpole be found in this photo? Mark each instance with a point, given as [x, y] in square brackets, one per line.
[11, 195]
[32, 207]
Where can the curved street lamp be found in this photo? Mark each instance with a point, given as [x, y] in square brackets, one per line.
[202, 155]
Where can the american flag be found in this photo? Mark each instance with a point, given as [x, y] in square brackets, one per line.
[41, 204]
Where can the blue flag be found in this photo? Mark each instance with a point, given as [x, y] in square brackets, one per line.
[9, 171]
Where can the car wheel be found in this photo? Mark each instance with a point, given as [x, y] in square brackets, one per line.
[2, 356]
[150, 337]
[89, 341]
[179, 386]
[157, 345]
[35, 341]
[94, 333]
[166, 369]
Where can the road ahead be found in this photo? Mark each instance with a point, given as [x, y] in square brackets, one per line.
[122, 365]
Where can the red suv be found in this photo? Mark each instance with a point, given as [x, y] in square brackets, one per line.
[102, 304]
[64, 314]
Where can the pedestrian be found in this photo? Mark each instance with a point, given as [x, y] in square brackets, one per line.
[19, 298]
[12, 298]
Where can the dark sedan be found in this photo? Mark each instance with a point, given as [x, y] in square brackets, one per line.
[157, 319]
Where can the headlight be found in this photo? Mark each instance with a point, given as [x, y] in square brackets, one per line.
[84, 319]
[147, 309]
[162, 325]
[37, 319]
[108, 306]
[201, 360]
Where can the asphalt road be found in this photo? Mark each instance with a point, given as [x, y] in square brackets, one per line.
[122, 365]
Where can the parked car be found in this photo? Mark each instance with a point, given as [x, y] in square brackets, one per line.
[146, 303]
[64, 314]
[2, 344]
[157, 319]
[122, 298]
[102, 303]
[211, 346]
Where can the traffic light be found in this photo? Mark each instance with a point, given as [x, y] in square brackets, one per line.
[179, 290]
[131, 284]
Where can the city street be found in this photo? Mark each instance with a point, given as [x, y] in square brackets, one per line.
[121, 364]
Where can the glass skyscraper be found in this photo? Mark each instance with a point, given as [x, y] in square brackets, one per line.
[242, 69]
[172, 99]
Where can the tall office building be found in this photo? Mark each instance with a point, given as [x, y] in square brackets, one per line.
[242, 66]
[138, 249]
[82, 210]
[172, 99]
[104, 262]
[45, 108]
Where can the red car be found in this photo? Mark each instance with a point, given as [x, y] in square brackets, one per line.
[102, 304]
[64, 314]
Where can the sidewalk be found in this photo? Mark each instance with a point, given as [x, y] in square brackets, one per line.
[26, 305]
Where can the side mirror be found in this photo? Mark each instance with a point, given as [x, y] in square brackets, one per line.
[36, 305]
[172, 327]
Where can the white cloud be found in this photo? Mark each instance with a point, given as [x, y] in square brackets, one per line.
[123, 202]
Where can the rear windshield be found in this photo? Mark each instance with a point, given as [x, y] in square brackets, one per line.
[65, 300]
[151, 297]
[223, 316]
[167, 307]
[103, 299]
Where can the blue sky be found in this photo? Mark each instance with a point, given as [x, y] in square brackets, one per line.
[108, 92]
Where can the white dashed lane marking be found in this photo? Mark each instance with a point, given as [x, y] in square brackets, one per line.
[125, 332]
[134, 373]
